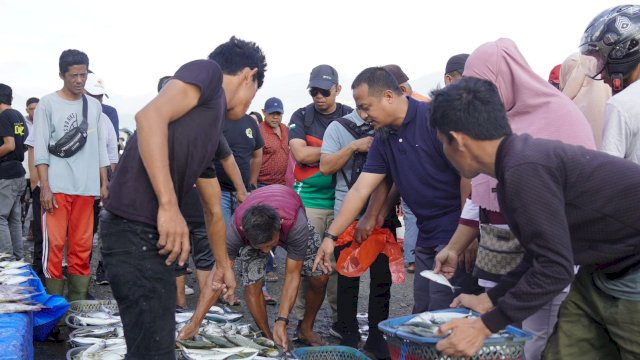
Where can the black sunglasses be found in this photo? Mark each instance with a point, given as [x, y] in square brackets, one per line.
[314, 92]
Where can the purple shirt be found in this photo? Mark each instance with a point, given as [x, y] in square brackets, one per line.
[426, 180]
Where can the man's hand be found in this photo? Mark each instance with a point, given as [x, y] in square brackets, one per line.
[323, 258]
[364, 228]
[47, 199]
[446, 262]
[188, 331]
[362, 145]
[478, 303]
[468, 257]
[104, 192]
[223, 279]
[280, 336]
[466, 338]
[174, 235]
[241, 195]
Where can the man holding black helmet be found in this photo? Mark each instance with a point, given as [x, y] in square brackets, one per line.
[71, 159]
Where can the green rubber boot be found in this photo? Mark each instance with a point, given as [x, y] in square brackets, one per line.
[78, 287]
[54, 286]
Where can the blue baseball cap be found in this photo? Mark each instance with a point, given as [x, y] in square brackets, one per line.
[273, 105]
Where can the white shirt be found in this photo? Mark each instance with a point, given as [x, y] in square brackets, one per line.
[111, 138]
[621, 133]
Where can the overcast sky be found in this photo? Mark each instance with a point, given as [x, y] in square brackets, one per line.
[131, 44]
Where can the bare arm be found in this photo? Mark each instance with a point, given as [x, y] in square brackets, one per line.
[255, 164]
[233, 172]
[351, 206]
[175, 100]
[465, 190]
[104, 183]
[8, 146]
[210, 196]
[33, 172]
[303, 153]
[332, 163]
[375, 214]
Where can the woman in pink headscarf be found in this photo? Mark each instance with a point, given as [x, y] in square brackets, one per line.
[535, 107]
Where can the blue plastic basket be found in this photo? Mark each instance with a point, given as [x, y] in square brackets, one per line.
[329, 353]
[407, 346]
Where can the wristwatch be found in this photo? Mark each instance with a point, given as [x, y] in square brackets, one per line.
[252, 187]
[281, 318]
[329, 235]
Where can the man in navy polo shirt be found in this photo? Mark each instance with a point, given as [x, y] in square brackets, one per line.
[407, 149]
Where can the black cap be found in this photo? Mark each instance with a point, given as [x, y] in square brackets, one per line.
[456, 63]
[397, 73]
[323, 77]
[6, 94]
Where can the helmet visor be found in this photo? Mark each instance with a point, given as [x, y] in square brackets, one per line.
[592, 61]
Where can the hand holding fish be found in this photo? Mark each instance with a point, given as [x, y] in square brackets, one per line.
[466, 338]
[446, 262]
[478, 303]
[188, 331]
[174, 235]
[280, 336]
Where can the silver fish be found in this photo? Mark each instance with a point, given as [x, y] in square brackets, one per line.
[438, 278]
[14, 297]
[243, 341]
[12, 307]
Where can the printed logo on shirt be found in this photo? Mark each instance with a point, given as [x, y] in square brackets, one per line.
[71, 122]
[18, 129]
[249, 133]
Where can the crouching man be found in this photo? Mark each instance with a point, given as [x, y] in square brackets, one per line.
[271, 216]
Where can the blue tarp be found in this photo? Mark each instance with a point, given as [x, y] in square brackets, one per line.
[55, 307]
[16, 336]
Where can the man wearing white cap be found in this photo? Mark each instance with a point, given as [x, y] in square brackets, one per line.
[95, 88]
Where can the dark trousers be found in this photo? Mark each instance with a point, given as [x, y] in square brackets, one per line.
[37, 232]
[347, 300]
[142, 284]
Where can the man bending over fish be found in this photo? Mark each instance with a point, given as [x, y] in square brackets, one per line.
[271, 216]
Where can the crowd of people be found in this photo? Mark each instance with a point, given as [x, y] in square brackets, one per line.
[521, 190]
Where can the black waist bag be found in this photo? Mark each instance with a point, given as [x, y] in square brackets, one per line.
[74, 139]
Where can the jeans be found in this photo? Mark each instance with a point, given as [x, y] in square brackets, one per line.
[410, 234]
[229, 205]
[10, 217]
[143, 285]
[429, 295]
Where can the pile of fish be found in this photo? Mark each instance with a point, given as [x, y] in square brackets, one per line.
[13, 296]
[427, 323]
[220, 337]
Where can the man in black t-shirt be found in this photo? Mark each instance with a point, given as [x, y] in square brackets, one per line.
[13, 132]
[246, 143]
[177, 136]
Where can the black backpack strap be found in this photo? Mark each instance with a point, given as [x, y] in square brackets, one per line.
[85, 111]
[309, 112]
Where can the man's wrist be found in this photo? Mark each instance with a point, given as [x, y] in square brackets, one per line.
[329, 235]
[282, 319]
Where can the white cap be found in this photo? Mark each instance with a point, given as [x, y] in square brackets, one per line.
[95, 85]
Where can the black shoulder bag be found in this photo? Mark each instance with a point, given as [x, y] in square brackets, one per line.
[74, 139]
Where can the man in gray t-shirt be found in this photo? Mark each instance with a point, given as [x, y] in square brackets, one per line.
[341, 144]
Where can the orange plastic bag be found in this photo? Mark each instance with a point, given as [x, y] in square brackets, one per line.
[357, 258]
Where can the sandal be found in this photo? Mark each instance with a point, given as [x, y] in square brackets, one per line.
[307, 342]
[268, 299]
[222, 301]
[271, 277]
